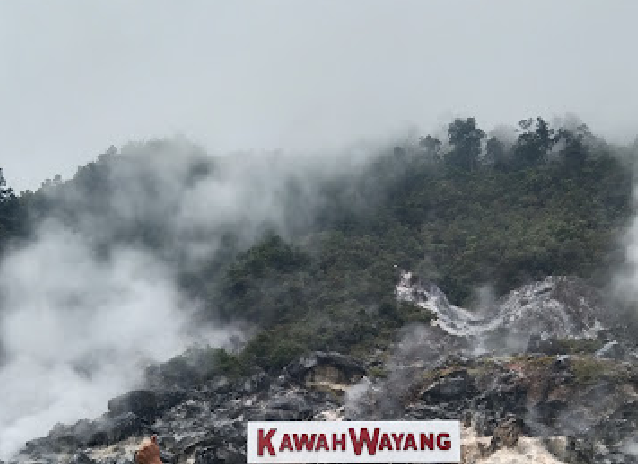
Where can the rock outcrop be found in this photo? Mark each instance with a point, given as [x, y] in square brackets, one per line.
[566, 392]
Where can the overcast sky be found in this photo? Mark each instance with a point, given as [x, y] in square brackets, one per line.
[77, 76]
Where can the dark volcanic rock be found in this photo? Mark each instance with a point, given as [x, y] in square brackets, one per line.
[141, 403]
[578, 384]
[219, 455]
[455, 385]
[255, 383]
[506, 433]
[112, 430]
[612, 350]
[326, 367]
[82, 458]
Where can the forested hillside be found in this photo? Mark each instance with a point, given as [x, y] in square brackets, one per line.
[465, 212]
[462, 221]
[12, 214]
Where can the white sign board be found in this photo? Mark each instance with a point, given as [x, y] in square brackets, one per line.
[436, 441]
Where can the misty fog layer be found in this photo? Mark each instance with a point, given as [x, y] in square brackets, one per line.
[77, 331]
[92, 298]
[292, 74]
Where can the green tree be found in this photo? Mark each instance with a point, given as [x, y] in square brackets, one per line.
[465, 139]
[6, 193]
[495, 153]
[532, 146]
[574, 149]
[432, 146]
[12, 213]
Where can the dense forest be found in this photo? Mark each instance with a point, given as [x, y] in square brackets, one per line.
[466, 210]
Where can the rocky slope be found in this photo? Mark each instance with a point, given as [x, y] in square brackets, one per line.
[543, 375]
[557, 307]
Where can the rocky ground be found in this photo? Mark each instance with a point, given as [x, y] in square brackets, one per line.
[545, 375]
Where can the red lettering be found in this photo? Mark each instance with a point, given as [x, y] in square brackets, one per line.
[427, 440]
[263, 441]
[336, 442]
[410, 441]
[445, 445]
[322, 442]
[385, 442]
[397, 440]
[304, 442]
[357, 444]
[285, 443]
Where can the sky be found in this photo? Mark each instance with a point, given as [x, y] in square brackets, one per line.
[78, 76]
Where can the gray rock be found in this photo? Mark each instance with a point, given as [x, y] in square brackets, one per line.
[142, 403]
[453, 386]
[345, 369]
[81, 458]
[611, 350]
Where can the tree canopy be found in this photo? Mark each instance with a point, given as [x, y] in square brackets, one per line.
[477, 210]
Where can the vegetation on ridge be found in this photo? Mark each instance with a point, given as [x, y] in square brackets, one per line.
[464, 212]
